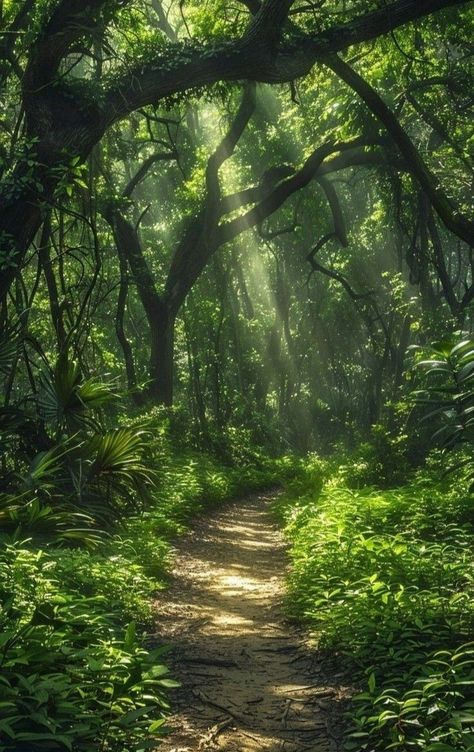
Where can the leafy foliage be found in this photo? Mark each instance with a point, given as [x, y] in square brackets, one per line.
[448, 394]
[67, 402]
[116, 297]
[87, 474]
[69, 679]
[384, 578]
[75, 670]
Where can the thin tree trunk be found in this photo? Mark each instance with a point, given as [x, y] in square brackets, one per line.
[120, 327]
[161, 321]
[44, 252]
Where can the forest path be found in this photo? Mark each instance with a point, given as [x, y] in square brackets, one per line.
[249, 682]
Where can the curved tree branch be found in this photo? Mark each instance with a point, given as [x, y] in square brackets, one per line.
[62, 122]
[253, 57]
[144, 168]
[199, 241]
[454, 221]
[277, 197]
[336, 210]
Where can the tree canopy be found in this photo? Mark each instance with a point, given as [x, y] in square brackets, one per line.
[107, 124]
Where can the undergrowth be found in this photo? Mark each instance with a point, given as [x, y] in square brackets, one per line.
[77, 669]
[384, 579]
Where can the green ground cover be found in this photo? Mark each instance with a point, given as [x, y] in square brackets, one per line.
[78, 671]
[384, 579]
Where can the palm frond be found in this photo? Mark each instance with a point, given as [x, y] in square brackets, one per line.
[66, 401]
[116, 462]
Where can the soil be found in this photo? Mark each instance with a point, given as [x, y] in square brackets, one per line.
[250, 679]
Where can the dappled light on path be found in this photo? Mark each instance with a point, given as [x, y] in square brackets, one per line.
[249, 680]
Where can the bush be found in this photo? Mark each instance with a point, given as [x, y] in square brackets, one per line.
[384, 579]
[71, 678]
[447, 395]
[74, 670]
[381, 461]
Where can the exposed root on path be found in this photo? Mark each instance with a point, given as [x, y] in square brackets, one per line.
[249, 681]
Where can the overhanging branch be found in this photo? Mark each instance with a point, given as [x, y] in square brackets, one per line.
[454, 221]
[183, 67]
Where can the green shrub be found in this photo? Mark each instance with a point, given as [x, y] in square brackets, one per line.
[430, 707]
[118, 579]
[71, 678]
[384, 579]
[381, 461]
[447, 396]
[73, 675]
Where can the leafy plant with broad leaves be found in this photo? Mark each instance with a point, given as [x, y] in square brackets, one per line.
[448, 390]
[69, 403]
[109, 471]
[384, 579]
[448, 394]
[71, 677]
[67, 472]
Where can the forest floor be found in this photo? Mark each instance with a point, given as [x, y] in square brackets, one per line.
[250, 680]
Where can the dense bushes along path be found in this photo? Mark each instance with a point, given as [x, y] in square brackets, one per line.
[248, 681]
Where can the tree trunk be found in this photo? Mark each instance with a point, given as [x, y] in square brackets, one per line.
[160, 319]
[120, 327]
[162, 357]
[44, 252]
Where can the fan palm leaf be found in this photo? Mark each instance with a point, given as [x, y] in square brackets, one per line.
[116, 461]
[66, 401]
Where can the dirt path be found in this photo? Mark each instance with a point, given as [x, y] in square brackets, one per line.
[248, 680]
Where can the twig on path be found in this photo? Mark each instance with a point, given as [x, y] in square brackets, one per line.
[284, 717]
[299, 658]
[320, 691]
[207, 701]
[224, 663]
[287, 648]
[254, 738]
[214, 732]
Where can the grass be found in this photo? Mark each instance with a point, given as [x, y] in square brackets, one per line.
[384, 578]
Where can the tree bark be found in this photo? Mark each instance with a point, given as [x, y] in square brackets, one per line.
[160, 389]
[44, 252]
[120, 327]
[156, 307]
